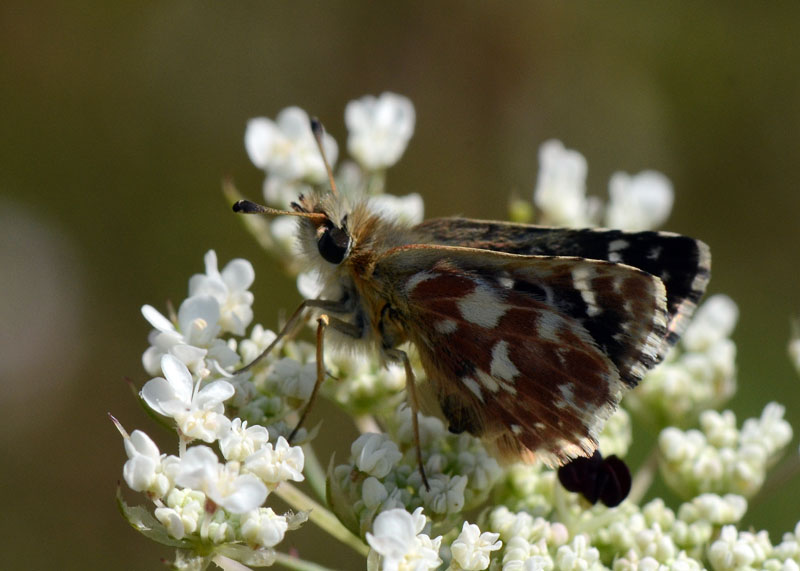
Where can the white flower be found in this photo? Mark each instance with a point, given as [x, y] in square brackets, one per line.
[639, 202]
[286, 148]
[379, 129]
[309, 284]
[194, 339]
[237, 493]
[396, 536]
[183, 512]
[229, 288]
[278, 464]
[241, 441]
[293, 378]
[713, 322]
[198, 412]
[473, 549]
[409, 209]
[446, 494]
[171, 520]
[578, 555]
[263, 527]
[373, 492]
[742, 550]
[714, 509]
[771, 432]
[375, 454]
[259, 340]
[146, 469]
[561, 186]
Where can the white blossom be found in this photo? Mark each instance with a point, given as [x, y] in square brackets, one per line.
[719, 458]
[638, 202]
[408, 209]
[263, 527]
[714, 320]
[237, 493]
[286, 148]
[446, 493]
[739, 550]
[294, 379]
[561, 187]
[379, 129]
[260, 339]
[373, 493]
[147, 470]
[198, 412]
[578, 555]
[182, 513]
[375, 454]
[396, 537]
[229, 288]
[472, 549]
[194, 341]
[242, 441]
[277, 464]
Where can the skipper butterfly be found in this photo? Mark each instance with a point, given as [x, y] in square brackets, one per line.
[528, 336]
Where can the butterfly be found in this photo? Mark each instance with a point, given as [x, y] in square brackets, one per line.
[528, 336]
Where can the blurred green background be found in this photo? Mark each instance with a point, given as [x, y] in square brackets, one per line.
[119, 121]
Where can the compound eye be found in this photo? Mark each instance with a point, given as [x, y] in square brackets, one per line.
[333, 243]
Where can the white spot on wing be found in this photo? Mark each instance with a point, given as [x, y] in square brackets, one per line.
[654, 253]
[417, 279]
[580, 277]
[487, 381]
[618, 244]
[506, 282]
[470, 383]
[482, 307]
[547, 326]
[445, 326]
[502, 366]
[568, 394]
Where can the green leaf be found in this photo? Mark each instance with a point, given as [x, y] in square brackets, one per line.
[145, 523]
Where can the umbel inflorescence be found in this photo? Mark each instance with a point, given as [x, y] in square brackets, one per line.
[210, 498]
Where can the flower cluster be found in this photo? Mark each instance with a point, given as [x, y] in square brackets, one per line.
[233, 425]
[200, 500]
[697, 375]
[637, 202]
[718, 457]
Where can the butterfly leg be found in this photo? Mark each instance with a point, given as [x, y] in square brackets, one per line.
[294, 321]
[399, 355]
[323, 321]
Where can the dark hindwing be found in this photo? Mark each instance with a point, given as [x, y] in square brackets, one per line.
[531, 353]
[683, 264]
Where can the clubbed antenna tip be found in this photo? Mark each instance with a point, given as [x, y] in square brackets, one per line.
[247, 207]
[316, 127]
[319, 131]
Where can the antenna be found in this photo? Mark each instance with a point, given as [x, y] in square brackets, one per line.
[319, 132]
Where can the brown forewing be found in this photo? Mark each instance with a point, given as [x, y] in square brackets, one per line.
[507, 365]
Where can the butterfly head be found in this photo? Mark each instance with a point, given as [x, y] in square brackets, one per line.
[327, 226]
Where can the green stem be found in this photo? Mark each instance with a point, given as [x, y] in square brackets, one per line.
[298, 564]
[321, 517]
[644, 477]
[313, 472]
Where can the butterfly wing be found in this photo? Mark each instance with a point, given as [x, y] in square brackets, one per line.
[531, 353]
[682, 263]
